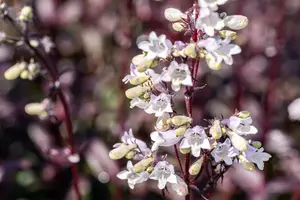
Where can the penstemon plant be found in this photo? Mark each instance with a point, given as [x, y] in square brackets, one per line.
[154, 87]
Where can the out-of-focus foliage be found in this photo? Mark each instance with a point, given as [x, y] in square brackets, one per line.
[94, 43]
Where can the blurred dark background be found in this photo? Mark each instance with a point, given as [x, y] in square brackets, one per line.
[94, 43]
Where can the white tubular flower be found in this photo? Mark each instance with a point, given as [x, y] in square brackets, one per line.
[164, 139]
[236, 22]
[163, 172]
[142, 149]
[257, 156]
[219, 50]
[174, 15]
[209, 21]
[180, 187]
[178, 74]
[196, 139]
[242, 126]
[224, 152]
[132, 178]
[156, 46]
[159, 104]
[211, 4]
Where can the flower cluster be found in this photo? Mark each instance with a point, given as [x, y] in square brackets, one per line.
[154, 86]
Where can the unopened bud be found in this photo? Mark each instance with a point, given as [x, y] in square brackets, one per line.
[185, 150]
[243, 114]
[190, 50]
[173, 14]
[142, 165]
[25, 74]
[135, 92]
[121, 151]
[178, 26]
[130, 155]
[196, 166]
[236, 22]
[216, 130]
[26, 13]
[181, 120]
[14, 71]
[238, 141]
[74, 158]
[256, 144]
[149, 169]
[227, 33]
[139, 79]
[181, 130]
[34, 108]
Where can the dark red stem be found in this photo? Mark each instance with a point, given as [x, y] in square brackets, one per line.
[61, 96]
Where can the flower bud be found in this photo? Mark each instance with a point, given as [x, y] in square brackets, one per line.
[139, 79]
[130, 155]
[181, 130]
[256, 144]
[246, 164]
[173, 14]
[142, 62]
[14, 71]
[25, 74]
[216, 130]
[149, 169]
[121, 151]
[142, 165]
[135, 92]
[212, 62]
[34, 108]
[196, 166]
[25, 14]
[181, 120]
[236, 22]
[243, 114]
[227, 33]
[146, 95]
[190, 50]
[185, 150]
[238, 141]
[178, 26]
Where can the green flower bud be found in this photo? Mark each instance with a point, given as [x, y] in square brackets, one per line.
[243, 114]
[14, 71]
[173, 14]
[185, 150]
[121, 151]
[34, 108]
[146, 95]
[130, 155]
[178, 26]
[256, 144]
[227, 33]
[139, 79]
[181, 120]
[142, 165]
[149, 169]
[25, 74]
[26, 13]
[135, 91]
[196, 166]
[190, 50]
[236, 22]
[238, 141]
[181, 130]
[216, 130]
